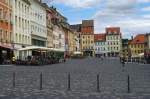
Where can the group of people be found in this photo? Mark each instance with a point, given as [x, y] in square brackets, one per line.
[4, 60]
[1, 60]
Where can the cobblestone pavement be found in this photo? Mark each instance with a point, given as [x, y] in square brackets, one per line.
[113, 80]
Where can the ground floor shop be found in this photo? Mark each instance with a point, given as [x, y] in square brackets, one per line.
[88, 53]
[100, 54]
[6, 54]
[113, 54]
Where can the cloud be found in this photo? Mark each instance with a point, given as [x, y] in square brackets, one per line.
[124, 14]
[78, 3]
[127, 14]
[147, 16]
[143, 1]
[146, 9]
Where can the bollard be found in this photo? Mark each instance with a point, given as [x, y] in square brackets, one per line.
[69, 88]
[98, 87]
[14, 79]
[128, 84]
[41, 87]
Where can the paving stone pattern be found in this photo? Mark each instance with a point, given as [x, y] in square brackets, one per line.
[113, 80]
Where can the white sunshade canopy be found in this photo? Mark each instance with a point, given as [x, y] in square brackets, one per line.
[40, 48]
[141, 54]
[58, 50]
[34, 48]
[77, 53]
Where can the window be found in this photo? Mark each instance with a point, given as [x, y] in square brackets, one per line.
[117, 48]
[19, 22]
[16, 38]
[15, 4]
[19, 38]
[19, 5]
[16, 20]
[1, 13]
[1, 34]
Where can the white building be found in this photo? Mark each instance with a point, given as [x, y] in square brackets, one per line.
[21, 25]
[114, 41]
[58, 38]
[38, 24]
[100, 45]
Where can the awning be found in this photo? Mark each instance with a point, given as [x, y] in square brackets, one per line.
[35, 48]
[141, 54]
[7, 47]
[77, 53]
[58, 50]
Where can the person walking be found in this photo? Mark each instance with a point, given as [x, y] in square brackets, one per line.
[123, 64]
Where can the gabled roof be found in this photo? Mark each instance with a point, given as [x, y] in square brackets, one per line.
[76, 27]
[139, 39]
[113, 30]
[99, 37]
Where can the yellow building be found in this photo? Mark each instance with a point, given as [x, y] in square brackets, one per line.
[137, 45]
[87, 37]
[87, 44]
[71, 42]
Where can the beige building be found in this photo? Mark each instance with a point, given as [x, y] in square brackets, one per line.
[87, 37]
[71, 42]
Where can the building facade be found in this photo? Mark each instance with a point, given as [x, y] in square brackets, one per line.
[100, 45]
[147, 41]
[38, 24]
[72, 42]
[6, 45]
[21, 26]
[49, 15]
[87, 37]
[125, 52]
[58, 22]
[137, 45]
[147, 48]
[114, 41]
[77, 30]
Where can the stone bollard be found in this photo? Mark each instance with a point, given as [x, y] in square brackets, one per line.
[69, 88]
[41, 82]
[128, 80]
[14, 80]
[98, 87]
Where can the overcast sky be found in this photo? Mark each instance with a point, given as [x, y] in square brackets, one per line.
[133, 16]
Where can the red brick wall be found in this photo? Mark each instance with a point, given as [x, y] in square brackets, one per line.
[87, 30]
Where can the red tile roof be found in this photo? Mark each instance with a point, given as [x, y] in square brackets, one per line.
[113, 30]
[99, 37]
[139, 39]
